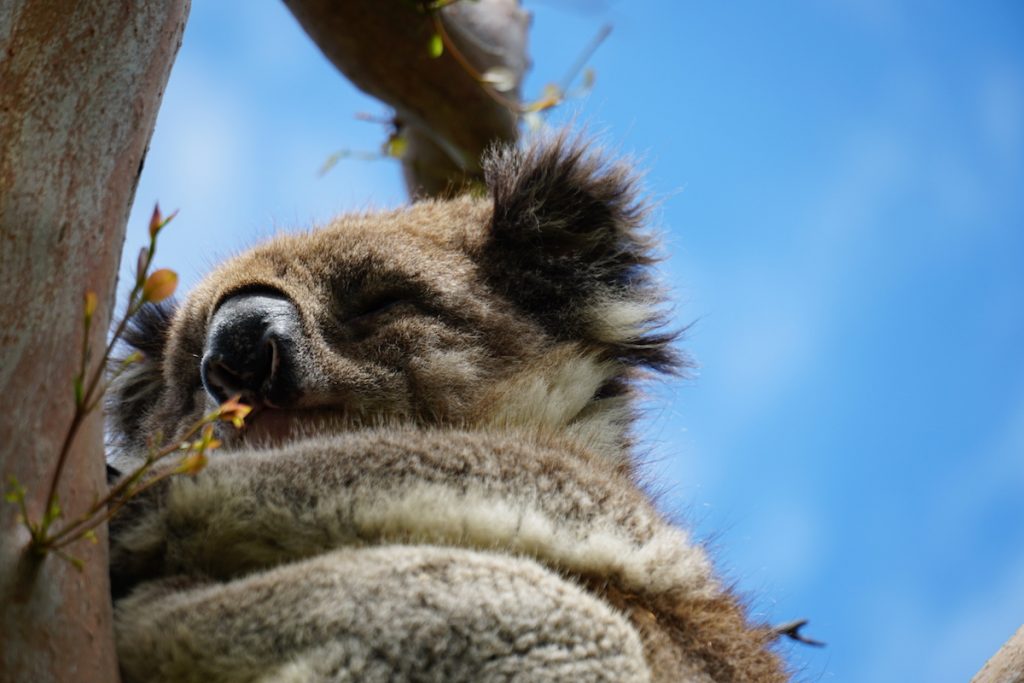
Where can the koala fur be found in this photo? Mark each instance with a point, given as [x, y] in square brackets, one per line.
[438, 481]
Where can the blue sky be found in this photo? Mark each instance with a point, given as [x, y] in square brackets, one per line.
[840, 187]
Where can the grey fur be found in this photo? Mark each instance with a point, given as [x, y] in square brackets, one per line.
[453, 495]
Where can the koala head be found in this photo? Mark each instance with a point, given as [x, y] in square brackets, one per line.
[532, 307]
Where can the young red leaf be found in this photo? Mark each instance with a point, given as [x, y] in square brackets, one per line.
[206, 440]
[157, 221]
[141, 264]
[159, 285]
[193, 463]
[234, 411]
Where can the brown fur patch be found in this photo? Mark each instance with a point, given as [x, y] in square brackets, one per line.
[709, 635]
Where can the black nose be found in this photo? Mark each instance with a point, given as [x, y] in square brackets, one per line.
[250, 349]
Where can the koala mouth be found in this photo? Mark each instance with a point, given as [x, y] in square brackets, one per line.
[268, 426]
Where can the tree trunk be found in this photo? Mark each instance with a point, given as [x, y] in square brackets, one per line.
[448, 117]
[80, 85]
[1007, 665]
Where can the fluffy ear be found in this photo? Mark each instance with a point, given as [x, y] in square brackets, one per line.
[568, 246]
[134, 391]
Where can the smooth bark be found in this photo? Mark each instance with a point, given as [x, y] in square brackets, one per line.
[448, 117]
[80, 85]
[1006, 665]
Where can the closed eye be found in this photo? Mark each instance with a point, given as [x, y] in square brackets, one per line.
[377, 305]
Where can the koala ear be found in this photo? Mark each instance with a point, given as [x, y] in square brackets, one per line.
[567, 245]
[134, 392]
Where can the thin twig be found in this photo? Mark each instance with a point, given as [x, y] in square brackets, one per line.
[791, 630]
[449, 45]
[84, 404]
[585, 56]
[119, 494]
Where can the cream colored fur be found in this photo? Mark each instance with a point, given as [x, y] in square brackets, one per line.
[395, 613]
[468, 489]
[516, 500]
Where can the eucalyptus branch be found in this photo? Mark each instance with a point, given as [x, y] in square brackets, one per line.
[195, 459]
[553, 94]
[89, 387]
[155, 287]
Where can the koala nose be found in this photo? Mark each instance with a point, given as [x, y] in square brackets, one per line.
[250, 349]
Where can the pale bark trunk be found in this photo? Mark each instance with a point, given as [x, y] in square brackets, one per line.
[80, 85]
[382, 47]
[1007, 665]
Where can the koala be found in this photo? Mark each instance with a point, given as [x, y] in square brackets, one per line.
[438, 480]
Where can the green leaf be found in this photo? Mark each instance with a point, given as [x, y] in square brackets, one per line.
[15, 492]
[395, 146]
[436, 46]
[159, 285]
[158, 221]
[76, 562]
[90, 304]
[54, 512]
